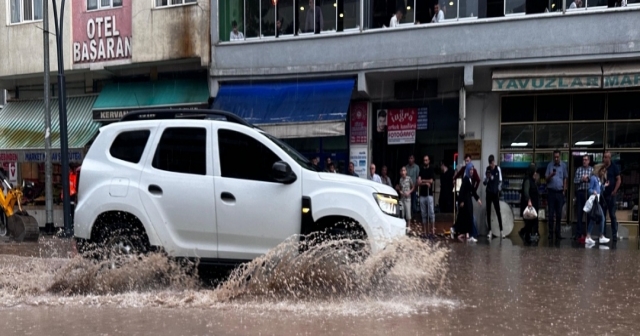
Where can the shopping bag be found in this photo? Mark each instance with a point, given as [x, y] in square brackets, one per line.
[529, 213]
[589, 204]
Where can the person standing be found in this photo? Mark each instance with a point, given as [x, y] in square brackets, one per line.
[372, 174]
[395, 19]
[314, 21]
[384, 177]
[352, 170]
[446, 189]
[413, 171]
[493, 184]
[405, 188]
[595, 189]
[530, 198]
[581, 182]
[439, 14]
[556, 191]
[475, 178]
[610, 193]
[464, 221]
[425, 182]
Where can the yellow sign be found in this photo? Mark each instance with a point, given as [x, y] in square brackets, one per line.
[473, 148]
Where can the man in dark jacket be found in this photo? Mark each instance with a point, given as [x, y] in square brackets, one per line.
[493, 182]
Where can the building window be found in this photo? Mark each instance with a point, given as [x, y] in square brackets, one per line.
[102, 4]
[25, 10]
[168, 3]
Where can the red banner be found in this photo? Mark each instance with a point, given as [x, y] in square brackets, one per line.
[401, 125]
[358, 123]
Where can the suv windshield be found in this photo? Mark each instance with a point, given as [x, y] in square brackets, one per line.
[300, 159]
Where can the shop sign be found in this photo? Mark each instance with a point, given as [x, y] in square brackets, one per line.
[423, 118]
[115, 115]
[358, 133]
[622, 81]
[102, 35]
[358, 155]
[401, 126]
[473, 148]
[547, 83]
[9, 157]
[41, 156]
[13, 173]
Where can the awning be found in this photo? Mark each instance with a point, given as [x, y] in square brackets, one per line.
[22, 129]
[621, 76]
[118, 99]
[293, 109]
[548, 78]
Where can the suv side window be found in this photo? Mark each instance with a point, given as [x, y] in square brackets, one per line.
[243, 157]
[128, 146]
[182, 150]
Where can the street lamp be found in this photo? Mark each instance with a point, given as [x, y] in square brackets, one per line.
[62, 107]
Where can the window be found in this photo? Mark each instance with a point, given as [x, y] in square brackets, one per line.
[167, 3]
[25, 10]
[517, 109]
[587, 135]
[623, 135]
[100, 4]
[517, 137]
[624, 105]
[182, 150]
[552, 136]
[588, 106]
[128, 146]
[243, 157]
[554, 108]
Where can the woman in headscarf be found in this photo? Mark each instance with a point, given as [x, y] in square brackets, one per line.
[464, 221]
[530, 198]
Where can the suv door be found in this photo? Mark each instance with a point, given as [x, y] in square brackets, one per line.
[254, 212]
[177, 188]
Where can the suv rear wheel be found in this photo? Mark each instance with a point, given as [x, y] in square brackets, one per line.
[117, 235]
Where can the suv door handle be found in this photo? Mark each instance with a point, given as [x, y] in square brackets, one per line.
[227, 197]
[155, 190]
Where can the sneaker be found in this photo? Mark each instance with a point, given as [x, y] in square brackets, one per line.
[489, 235]
[589, 241]
[472, 240]
[603, 240]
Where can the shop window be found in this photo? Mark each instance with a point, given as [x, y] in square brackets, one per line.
[517, 109]
[553, 107]
[25, 10]
[128, 146]
[182, 150]
[587, 135]
[623, 135]
[516, 137]
[627, 198]
[552, 136]
[255, 161]
[588, 106]
[167, 3]
[624, 105]
[102, 4]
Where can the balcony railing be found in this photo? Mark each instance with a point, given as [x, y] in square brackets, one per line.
[245, 20]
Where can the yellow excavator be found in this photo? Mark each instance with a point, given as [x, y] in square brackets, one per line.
[18, 224]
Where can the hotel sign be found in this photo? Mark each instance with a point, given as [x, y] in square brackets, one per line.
[621, 81]
[547, 83]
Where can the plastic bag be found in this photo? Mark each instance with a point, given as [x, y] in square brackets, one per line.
[529, 213]
[589, 204]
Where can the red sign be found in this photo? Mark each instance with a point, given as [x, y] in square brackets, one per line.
[401, 126]
[101, 35]
[358, 123]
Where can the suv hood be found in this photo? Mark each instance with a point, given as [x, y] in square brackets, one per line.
[378, 187]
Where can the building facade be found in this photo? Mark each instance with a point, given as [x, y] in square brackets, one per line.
[119, 55]
[516, 79]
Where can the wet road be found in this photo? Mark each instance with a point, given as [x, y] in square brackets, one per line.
[501, 288]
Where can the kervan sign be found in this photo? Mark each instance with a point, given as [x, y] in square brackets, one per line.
[621, 81]
[101, 35]
[114, 115]
[547, 83]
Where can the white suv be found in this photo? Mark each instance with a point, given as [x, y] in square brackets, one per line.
[206, 184]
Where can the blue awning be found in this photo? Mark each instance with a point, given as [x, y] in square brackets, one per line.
[292, 109]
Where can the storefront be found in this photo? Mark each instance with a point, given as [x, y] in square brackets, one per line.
[22, 153]
[579, 111]
[310, 115]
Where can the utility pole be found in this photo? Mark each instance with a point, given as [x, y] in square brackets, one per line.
[62, 103]
[49, 226]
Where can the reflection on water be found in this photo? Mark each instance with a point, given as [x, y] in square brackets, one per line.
[498, 288]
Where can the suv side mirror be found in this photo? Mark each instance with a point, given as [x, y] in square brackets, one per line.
[282, 173]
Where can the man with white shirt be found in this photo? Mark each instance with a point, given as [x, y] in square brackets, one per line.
[372, 174]
[575, 4]
[439, 16]
[395, 20]
[235, 34]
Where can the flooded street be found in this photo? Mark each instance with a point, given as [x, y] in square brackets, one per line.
[497, 288]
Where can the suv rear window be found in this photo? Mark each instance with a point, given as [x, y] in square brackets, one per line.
[128, 146]
[182, 150]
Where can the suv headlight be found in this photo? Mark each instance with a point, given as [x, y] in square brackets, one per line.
[388, 204]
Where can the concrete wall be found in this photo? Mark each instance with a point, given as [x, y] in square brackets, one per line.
[162, 34]
[533, 38]
[21, 44]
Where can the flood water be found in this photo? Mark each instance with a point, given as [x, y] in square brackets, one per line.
[489, 288]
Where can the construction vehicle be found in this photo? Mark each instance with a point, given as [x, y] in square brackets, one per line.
[17, 224]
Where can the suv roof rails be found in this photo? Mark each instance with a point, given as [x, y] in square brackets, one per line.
[203, 114]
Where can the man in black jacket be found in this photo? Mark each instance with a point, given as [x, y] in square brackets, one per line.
[493, 184]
